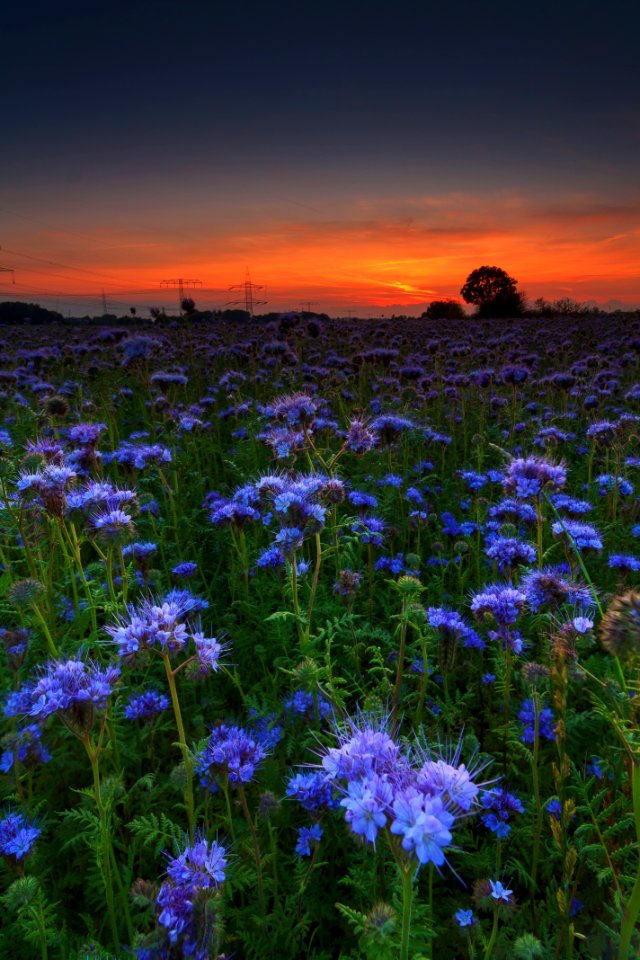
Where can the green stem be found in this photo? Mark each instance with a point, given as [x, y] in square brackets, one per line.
[53, 650]
[256, 848]
[494, 935]
[632, 909]
[105, 841]
[188, 794]
[407, 903]
[537, 817]
[302, 634]
[395, 703]
[314, 584]
[75, 546]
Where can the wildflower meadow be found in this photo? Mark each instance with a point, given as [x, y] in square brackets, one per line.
[320, 640]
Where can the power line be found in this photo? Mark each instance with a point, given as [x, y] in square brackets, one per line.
[56, 263]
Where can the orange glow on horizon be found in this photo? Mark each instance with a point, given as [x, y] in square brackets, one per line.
[378, 254]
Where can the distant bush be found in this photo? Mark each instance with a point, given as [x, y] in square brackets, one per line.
[16, 311]
[564, 307]
[444, 310]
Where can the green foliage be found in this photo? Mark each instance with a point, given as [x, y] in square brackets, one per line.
[33, 919]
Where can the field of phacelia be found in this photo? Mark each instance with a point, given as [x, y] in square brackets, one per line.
[320, 640]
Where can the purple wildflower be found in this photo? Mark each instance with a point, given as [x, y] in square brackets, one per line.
[306, 837]
[230, 752]
[17, 835]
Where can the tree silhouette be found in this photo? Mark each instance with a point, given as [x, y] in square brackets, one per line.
[494, 292]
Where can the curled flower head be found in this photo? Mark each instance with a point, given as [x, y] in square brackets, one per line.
[620, 627]
[17, 835]
[231, 752]
[186, 900]
[504, 603]
[365, 749]
[528, 477]
[582, 536]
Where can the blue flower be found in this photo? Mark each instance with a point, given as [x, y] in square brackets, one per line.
[546, 720]
[465, 918]
[230, 752]
[307, 836]
[366, 805]
[145, 706]
[17, 835]
[423, 822]
[311, 789]
[499, 892]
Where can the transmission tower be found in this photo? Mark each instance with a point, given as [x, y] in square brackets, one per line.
[180, 283]
[9, 270]
[248, 300]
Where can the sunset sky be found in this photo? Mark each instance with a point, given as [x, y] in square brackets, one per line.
[362, 157]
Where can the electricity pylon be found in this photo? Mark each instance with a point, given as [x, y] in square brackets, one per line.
[247, 300]
[180, 283]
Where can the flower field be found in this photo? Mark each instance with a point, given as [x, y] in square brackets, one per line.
[320, 640]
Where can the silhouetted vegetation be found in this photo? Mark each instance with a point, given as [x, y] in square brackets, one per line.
[444, 310]
[16, 311]
[493, 292]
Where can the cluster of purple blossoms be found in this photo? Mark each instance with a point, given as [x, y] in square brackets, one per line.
[100, 495]
[452, 627]
[185, 569]
[293, 409]
[505, 604]
[582, 535]
[306, 837]
[137, 456]
[230, 753]
[369, 530]
[24, 746]
[312, 791]
[74, 689]
[140, 551]
[602, 432]
[303, 705]
[85, 434]
[17, 835]
[390, 427]
[570, 505]
[147, 705]
[360, 437]
[385, 790]
[527, 717]
[551, 587]
[186, 901]
[499, 805]
[112, 524]
[160, 625]
[49, 486]
[607, 483]
[508, 552]
[529, 477]
[624, 561]
[398, 565]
